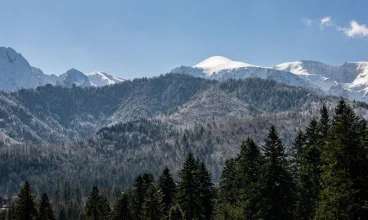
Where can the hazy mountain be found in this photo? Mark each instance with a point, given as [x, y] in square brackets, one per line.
[16, 73]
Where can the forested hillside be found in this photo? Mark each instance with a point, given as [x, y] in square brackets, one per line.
[54, 114]
[323, 175]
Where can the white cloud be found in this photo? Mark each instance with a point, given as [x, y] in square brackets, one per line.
[326, 21]
[307, 21]
[355, 30]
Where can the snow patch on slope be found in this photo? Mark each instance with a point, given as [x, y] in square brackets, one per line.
[103, 79]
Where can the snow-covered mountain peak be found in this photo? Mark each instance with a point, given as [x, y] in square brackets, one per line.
[102, 78]
[218, 63]
[16, 73]
[9, 57]
[74, 77]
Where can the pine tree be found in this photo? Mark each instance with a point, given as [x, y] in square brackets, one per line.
[249, 171]
[141, 186]
[206, 192]
[324, 123]
[309, 176]
[168, 188]
[121, 209]
[296, 155]
[97, 205]
[153, 207]
[25, 208]
[228, 187]
[188, 190]
[278, 189]
[105, 209]
[344, 175]
[45, 212]
[176, 213]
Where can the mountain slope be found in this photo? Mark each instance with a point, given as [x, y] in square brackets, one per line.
[103, 79]
[77, 113]
[16, 73]
[227, 69]
[349, 80]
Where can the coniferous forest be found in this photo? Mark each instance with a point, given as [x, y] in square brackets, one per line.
[323, 176]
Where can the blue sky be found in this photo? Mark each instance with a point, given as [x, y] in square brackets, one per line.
[138, 38]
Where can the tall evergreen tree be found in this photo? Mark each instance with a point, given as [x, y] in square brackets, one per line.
[141, 186]
[188, 197]
[228, 186]
[344, 162]
[296, 155]
[167, 186]
[153, 207]
[249, 171]
[324, 123]
[176, 213]
[45, 212]
[278, 189]
[206, 192]
[97, 206]
[309, 173]
[25, 208]
[121, 209]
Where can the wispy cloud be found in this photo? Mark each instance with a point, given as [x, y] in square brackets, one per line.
[307, 21]
[355, 30]
[326, 21]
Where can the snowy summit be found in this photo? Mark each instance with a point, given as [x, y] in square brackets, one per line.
[217, 63]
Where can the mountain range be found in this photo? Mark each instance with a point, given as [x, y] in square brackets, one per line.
[16, 73]
[349, 80]
[74, 124]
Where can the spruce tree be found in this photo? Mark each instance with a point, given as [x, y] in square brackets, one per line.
[310, 170]
[97, 206]
[278, 189]
[153, 207]
[249, 171]
[228, 187]
[324, 123]
[121, 209]
[296, 155]
[141, 186]
[25, 208]
[167, 186]
[206, 192]
[188, 197]
[45, 211]
[176, 213]
[344, 165]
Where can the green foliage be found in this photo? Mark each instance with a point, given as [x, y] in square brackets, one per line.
[25, 207]
[45, 211]
[121, 209]
[278, 189]
[97, 206]
[141, 188]
[153, 207]
[188, 188]
[167, 186]
[344, 173]
[176, 213]
[196, 193]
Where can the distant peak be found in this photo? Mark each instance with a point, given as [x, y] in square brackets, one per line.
[73, 71]
[218, 63]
